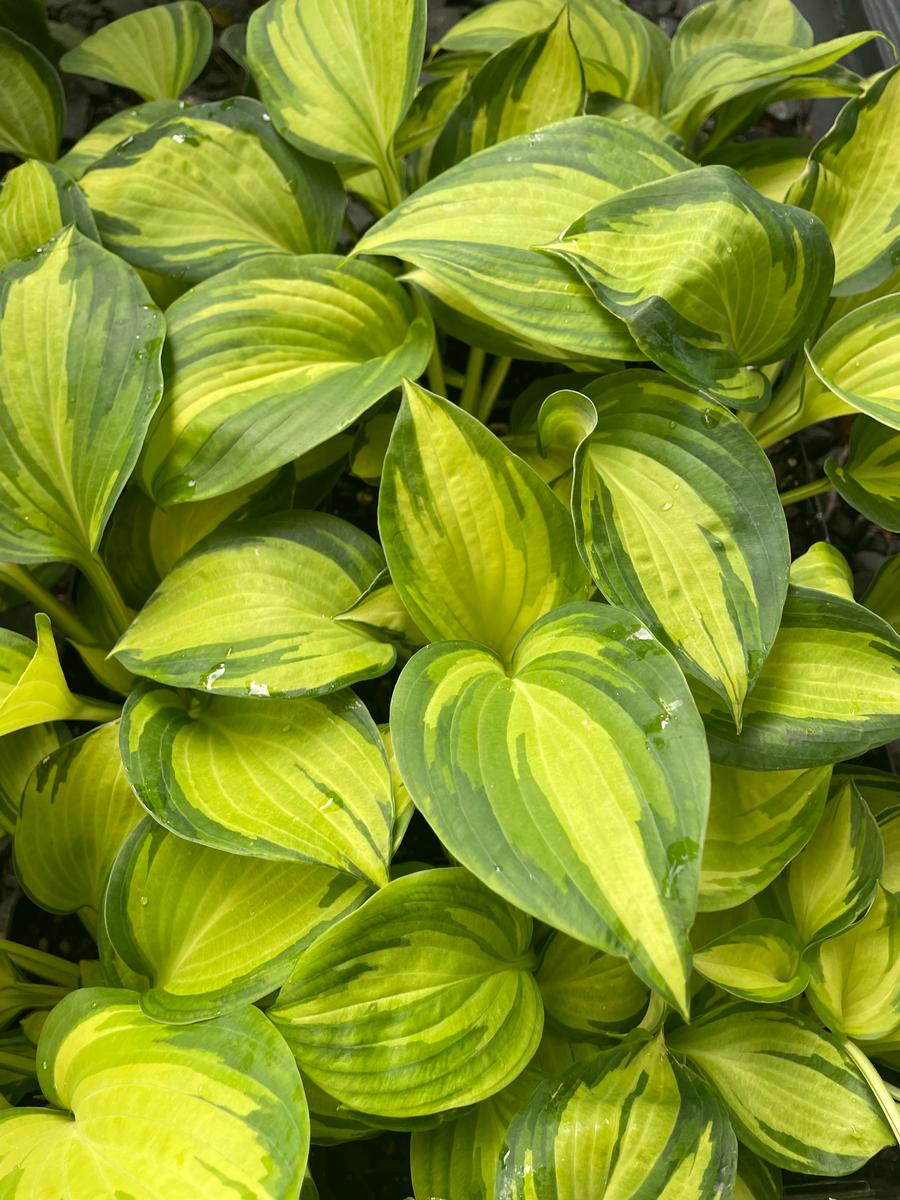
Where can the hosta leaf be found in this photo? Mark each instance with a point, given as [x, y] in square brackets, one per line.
[678, 518]
[534, 82]
[37, 201]
[338, 76]
[72, 418]
[869, 477]
[31, 100]
[330, 339]
[477, 545]
[428, 113]
[586, 992]
[883, 596]
[794, 1095]
[834, 880]
[829, 689]
[770, 164]
[758, 822]
[472, 231]
[213, 930]
[855, 977]
[628, 114]
[27, 19]
[879, 789]
[824, 569]
[628, 1123]
[421, 1001]
[771, 22]
[294, 573]
[105, 135]
[857, 359]
[760, 961]
[76, 812]
[156, 52]
[303, 779]
[555, 780]
[20, 752]
[756, 1179]
[851, 183]
[725, 282]
[889, 824]
[381, 613]
[156, 1110]
[210, 187]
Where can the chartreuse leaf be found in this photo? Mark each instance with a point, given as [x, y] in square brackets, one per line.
[141, 1109]
[304, 779]
[471, 231]
[33, 689]
[588, 993]
[770, 164]
[428, 113]
[20, 752]
[294, 573]
[32, 103]
[156, 52]
[726, 281]
[857, 359]
[77, 810]
[210, 187]
[771, 22]
[72, 418]
[855, 977]
[829, 689]
[628, 1123]
[213, 930]
[477, 545]
[330, 338]
[824, 569]
[834, 879]
[421, 1001]
[869, 477]
[338, 75]
[36, 201]
[678, 518]
[758, 822]
[382, 614]
[851, 182]
[793, 1093]
[883, 596]
[534, 82]
[106, 135]
[554, 779]
[760, 961]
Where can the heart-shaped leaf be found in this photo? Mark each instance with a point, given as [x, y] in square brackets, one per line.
[32, 103]
[770, 22]
[36, 201]
[555, 779]
[856, 359]
[760, 961]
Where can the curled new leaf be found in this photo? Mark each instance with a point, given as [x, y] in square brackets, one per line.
[761, 961]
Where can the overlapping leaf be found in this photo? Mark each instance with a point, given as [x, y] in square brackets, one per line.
[36, 201]
[857, 359]
[824, 569]
[20, 753]
[588, 993]
[761, 961]
[770, 22]
[869, 478]
[105, 135]
[31, 100]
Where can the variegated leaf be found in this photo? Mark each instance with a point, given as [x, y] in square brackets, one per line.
[210, 187]
[883, 596]
[857, 359]
[678, 518]
[381, 613]
[756, 1179]
[889, 824]
[32, 103]
[20, 753]
[477, 545]
[824, 569]
[586, 992]
[36, 201]
[294, 573]
[212, 931]
[770, 22]
[108, 134]
[760, 961]
[421, 1001]
[869, 477]
[330, 339]
[726, 281]
[554, 779]
[304, 779]
[142, 1109]
[769, 164]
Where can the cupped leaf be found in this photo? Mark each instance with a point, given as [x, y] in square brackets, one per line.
[857, 359]
[304, 779]
[212, 931]
[534, 82]
[824, 569]
[421, 1001]
[338, 75]
[723, 282]
[73, 417]
[628, 1123]
[771, 22]
[106, 135]
[142, 1109]
[678, 518]
[834, 880]
[793, 1093]
[851, 182]
[330, 338]
[869, 477]
[155, 52]
[471, 232]
[36, 201]
[77, 810]
[588, 993]
[574, 782]
[758, 822]
[251, 611]
[477, 545]
[32, 103]
[20, 753]
[210, 187]
[829, 689]
[760, 961]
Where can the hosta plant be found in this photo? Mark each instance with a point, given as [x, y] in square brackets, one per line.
[543, 819]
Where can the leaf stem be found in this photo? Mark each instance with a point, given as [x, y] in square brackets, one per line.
[655, 1014]
[877, 1086]
[97, 575]
[46, 966]
[390, 177]
[26, 585]
[468, 400]
[496, 377]
[806, 491]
